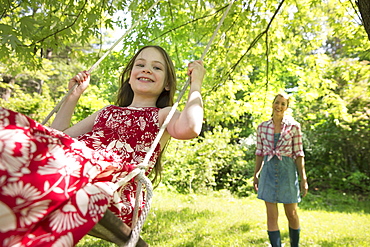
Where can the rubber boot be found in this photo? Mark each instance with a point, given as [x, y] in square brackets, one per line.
[275, 238]
[294, 237]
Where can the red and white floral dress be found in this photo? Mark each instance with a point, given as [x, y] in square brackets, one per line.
[54, 188]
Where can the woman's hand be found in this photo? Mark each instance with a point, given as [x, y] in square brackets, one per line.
[304, 187]
[255, 183]
[82, 79]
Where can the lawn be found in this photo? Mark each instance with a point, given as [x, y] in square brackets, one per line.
[220, 219]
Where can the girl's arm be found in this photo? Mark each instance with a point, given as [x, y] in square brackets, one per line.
[82, 127]
[63, 117]
[188, 123]
[302, 174]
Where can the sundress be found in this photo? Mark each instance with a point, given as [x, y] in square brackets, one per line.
[278, 182]
[54, 188]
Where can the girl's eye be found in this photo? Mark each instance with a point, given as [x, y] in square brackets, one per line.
[157, 68]
[139, 65]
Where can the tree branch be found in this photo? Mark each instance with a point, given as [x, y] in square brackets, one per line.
[58, 31]
[188, 23]
[8, 9]
[256, 39]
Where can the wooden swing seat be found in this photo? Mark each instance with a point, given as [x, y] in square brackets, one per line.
[112, 229]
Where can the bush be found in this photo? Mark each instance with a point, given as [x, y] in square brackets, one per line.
[207, 163]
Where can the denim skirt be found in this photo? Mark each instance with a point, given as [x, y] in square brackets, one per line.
[278, 181]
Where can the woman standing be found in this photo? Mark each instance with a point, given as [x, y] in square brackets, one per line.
[279, 156]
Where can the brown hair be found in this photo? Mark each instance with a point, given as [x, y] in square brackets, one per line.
[125, 95]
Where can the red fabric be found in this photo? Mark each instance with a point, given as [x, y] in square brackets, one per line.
[54, 188]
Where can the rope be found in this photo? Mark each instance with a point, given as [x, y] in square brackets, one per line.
[56, 108]
[182, 92]
[139, 172]
[135, 233]
[141, 179]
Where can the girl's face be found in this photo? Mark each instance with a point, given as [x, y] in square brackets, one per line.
[279, 106]
[149, 73]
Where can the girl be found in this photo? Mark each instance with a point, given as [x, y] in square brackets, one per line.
[279, 155]
[55, 186]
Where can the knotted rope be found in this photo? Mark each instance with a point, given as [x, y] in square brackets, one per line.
[139, 172]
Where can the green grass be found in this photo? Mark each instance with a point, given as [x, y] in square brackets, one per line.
[219, 219]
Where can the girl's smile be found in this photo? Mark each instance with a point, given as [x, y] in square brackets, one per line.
[148, 69]
[145, 79]
[148, 77]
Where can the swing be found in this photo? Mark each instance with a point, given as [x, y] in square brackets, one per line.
[110, 227]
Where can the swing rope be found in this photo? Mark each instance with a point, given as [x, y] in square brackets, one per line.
[56, 108]
[139, 171]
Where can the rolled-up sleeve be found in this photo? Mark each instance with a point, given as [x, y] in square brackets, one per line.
[297, 144]
[259, 146]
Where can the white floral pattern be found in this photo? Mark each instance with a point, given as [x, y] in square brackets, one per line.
[54, 188]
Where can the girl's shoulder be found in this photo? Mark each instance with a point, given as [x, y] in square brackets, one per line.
[164, 112]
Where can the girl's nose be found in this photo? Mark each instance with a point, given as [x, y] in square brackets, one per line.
[147, 70]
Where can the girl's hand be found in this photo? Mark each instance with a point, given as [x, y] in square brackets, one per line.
[82, 79]
[196, 71]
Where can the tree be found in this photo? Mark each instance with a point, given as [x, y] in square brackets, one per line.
[364, 8]
[263, 47]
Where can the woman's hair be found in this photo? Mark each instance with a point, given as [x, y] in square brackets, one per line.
[125, 94]
[285, 96]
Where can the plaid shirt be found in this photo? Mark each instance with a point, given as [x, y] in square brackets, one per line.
[289, 143]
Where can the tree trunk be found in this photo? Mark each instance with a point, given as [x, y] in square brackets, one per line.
[364, 7]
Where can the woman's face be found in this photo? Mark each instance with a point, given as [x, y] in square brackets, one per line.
[279, 106]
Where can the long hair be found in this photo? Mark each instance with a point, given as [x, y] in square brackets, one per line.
[125, 94]
[285, 96]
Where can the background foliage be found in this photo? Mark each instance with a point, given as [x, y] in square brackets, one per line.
[317, 51]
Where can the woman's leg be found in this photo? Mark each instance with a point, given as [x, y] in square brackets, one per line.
[294, 227]
[272, 224]
[292, 215]
[272, 216]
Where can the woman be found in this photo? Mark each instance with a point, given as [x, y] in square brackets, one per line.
[279, 156]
